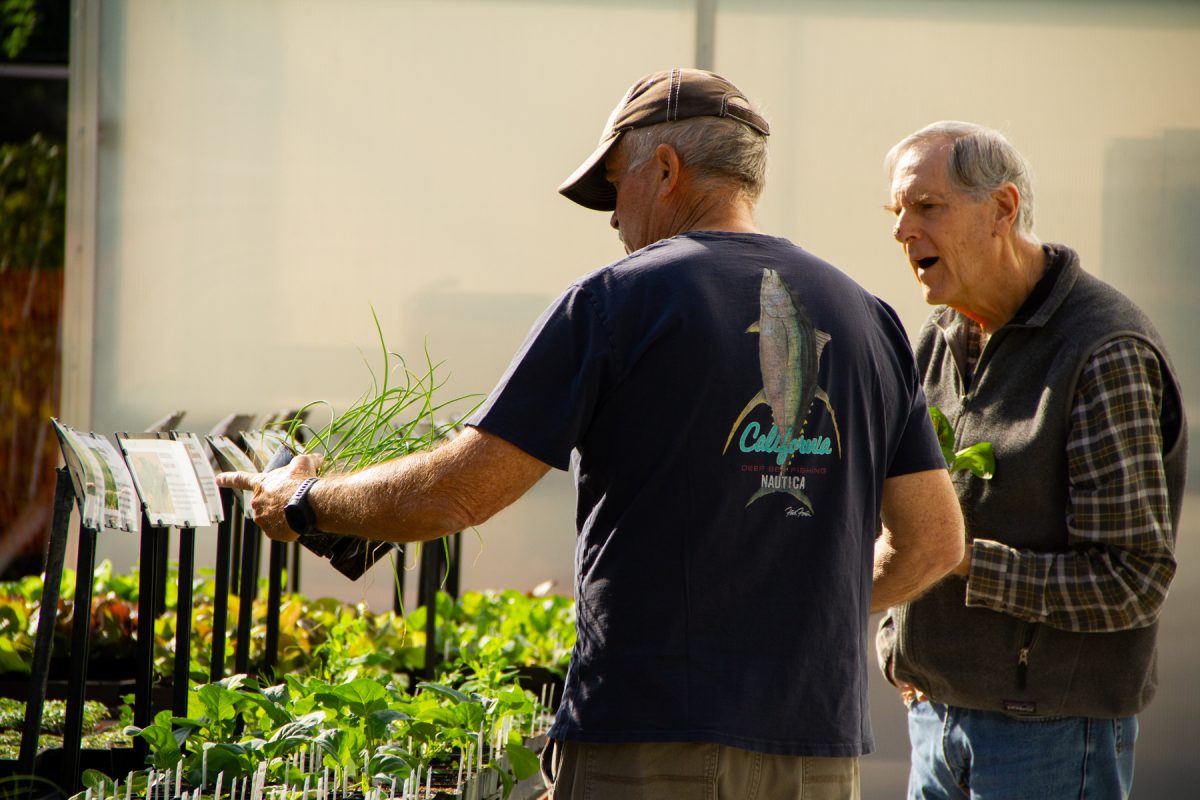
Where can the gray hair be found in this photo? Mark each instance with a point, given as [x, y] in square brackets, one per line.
[981, 161]
[719, 150]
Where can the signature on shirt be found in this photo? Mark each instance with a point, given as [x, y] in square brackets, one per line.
[798, 511]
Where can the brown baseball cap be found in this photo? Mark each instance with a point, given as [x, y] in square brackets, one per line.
[676, 94]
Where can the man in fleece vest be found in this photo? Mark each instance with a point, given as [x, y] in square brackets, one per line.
[1023, 671]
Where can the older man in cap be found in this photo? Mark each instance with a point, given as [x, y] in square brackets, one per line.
[740, 415]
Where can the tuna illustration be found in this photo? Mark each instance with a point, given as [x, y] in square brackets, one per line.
[789, 352]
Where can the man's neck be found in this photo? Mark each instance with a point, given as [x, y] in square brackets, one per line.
[732, 214]
[1026, 264]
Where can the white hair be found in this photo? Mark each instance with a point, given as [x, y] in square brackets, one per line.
[981, 161]
[719, 150]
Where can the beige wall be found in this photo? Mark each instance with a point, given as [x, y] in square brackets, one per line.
[268, 171]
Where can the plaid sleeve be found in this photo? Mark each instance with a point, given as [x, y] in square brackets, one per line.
[1121, 558]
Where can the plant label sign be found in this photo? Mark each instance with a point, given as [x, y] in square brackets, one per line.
[204, 474]
[103, 487]
[231, 459]
[262, 445]
[166, 481]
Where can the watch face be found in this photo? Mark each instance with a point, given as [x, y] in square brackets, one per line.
[296, 517]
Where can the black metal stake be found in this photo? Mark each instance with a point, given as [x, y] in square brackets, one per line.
[183, 620]
[275, 568]
[81, 629]
[56, 549]
[294, 575]
[235, 558]
[454, 568]
[246, 593]
[160, 569]
[216, 669]
[432, 564]
[143, 712]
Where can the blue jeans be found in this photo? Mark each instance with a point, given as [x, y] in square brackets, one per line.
[966, 754]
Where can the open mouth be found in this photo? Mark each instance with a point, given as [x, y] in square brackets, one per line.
[926, 262]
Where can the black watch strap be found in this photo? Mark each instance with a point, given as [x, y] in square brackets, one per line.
[299, 512]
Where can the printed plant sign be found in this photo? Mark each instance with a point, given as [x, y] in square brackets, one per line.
[231, 459]
[261, 445]
[204, 474]
[105, 491]
[166, 481]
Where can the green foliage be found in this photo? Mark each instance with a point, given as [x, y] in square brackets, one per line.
[54, 715]
[32, 203]
[978, 458]
[163, 738]
[345, 693]
[19, 19]
[235, 726]
[512, 627]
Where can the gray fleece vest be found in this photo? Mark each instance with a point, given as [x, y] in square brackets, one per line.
[1020, 400]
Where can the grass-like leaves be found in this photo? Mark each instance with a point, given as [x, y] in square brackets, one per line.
[396, 416]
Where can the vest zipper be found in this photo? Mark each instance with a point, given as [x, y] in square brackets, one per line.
[1023, 656]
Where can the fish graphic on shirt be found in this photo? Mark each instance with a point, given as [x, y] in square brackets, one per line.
[789, 353]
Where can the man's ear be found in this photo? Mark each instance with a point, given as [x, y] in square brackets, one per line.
[1008, 206]
[668, 166]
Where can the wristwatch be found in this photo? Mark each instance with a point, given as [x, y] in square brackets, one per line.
[299, 512]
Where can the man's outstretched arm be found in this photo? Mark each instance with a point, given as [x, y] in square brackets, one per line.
[414, 498]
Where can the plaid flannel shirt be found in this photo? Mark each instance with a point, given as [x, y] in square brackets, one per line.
[1120, 560]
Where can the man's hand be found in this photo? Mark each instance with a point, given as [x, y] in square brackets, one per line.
[910, 694]
[272, 490]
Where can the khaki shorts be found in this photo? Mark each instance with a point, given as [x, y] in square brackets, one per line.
[692, 771]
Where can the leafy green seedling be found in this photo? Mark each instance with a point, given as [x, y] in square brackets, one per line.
[978, 458]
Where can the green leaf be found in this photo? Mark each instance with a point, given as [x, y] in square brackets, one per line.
[945, 433]
[506, 778]
[275, 711]
[12, 659]
[445, 691]
[978, 458]
[523, 760]
[98, 782]
[161, 738]
[361, 696]
[378, 721]
[218, 702]
[232, 759]
[390, 764]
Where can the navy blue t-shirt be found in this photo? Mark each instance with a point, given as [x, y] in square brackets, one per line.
[731, 405]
